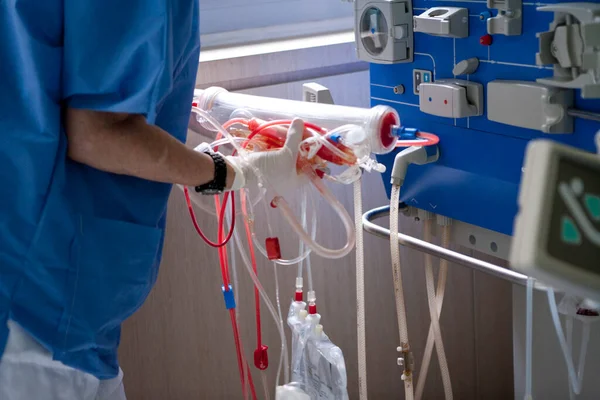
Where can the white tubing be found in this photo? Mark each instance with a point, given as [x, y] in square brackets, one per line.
[435, 316]
[360, 293]
[574, 383]
[398, 290]
[529, 341]
[439, 301]
[585, 339]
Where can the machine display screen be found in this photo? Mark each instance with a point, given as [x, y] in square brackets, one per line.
[574, 231]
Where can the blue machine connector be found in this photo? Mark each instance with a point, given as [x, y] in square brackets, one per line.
[228, 297]
[485, 15]
[405, 133]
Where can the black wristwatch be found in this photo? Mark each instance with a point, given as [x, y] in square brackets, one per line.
[217, 185]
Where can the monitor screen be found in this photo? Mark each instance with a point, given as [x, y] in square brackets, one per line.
[574, 230]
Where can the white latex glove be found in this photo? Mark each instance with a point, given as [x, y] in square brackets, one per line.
[278, 167]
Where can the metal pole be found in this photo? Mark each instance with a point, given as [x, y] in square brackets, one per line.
[438, 251]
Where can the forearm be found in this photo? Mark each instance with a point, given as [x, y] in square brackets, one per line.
[127, 145]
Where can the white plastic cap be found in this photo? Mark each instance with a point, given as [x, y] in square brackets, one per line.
[318, 329]
[303, 314]
[299, 282]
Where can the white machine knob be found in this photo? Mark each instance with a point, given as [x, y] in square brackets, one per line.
[466, 67]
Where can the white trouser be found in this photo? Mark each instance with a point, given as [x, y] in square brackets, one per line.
[27, 372]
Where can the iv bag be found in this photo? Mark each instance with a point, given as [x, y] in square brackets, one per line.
[300, 328]
[326, 368]
[318, 365]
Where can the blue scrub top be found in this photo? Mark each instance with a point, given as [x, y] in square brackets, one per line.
[80, 248]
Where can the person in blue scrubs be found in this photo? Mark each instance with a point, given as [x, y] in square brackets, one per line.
[95, 100]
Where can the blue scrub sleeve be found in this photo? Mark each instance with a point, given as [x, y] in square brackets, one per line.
[115, 54]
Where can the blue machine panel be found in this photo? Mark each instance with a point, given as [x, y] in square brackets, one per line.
[476, 179]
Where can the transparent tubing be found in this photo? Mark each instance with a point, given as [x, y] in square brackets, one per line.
[301, 244]
[439, 302]
[303, 254]
[236, 295]
[529, 341]
[283, 358]
[265, 384]
[569, 324]
[338, 208]
[360, 293]
[573, 381]
[264, 296]
[376, 121]
[585, 339]
[398, 290]
[309, 274]
[285, 208]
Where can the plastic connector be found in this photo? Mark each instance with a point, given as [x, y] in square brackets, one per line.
[318, 330]
[405, 133]
[412, 155]
[312, 302]
[299, 294]
[335, 138]
[228, 297]
[273, 248]
[261, 357]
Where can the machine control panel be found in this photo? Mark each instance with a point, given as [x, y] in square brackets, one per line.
[519, 71]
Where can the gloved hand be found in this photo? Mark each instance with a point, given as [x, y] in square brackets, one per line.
[278, 167]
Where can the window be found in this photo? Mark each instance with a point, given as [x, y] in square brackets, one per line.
[234, 22]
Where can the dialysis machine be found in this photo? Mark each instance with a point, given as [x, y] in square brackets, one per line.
[512, 89]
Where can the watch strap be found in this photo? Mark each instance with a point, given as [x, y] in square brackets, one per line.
[219, 181]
